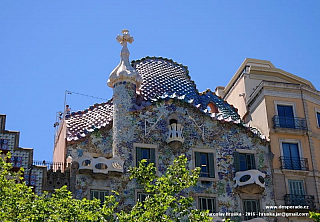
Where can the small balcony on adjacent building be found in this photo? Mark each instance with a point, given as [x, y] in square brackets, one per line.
[294, 163]
[302, 202]
[293, 123]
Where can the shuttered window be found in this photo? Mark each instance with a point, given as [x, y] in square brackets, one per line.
[141, 197]
[145, 154]
[206, 163]
[99, 194]
[207, 203]
[244, 161]
[296, 187]
[251, 209]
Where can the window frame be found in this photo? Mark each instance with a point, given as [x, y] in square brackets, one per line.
[284, 103]
[99, 190]
[145, 146]
[140, 192]
[258, 206]
[209, 196]
[215, 169]
[289, 180]
[294, 141]
[247, 152]
[317, 112]
[289, 177]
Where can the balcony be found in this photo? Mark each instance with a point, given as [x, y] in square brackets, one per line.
[294, 163]
[250, 181]
[100, 165]
[175, 138]
[51, 165]
[289, 122]
[175, 133]
[301, 201]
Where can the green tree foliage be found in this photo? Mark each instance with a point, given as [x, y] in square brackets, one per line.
[315, 216]
[165, 203]
[19, 203]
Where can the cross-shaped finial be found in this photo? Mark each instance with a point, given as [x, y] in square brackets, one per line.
[123, 39]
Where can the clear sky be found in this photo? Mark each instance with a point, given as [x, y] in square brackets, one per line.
[47, 47]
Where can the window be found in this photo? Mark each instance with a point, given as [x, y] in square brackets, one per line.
[244, 161]
[286, 116]
[291, 156]
[4, 144]
[296, 187]
[297, 193]
[250, 209]
[141, 197]
[99, 194]
[207, 203]
[318, 119]
[206, 163]
[145, 154]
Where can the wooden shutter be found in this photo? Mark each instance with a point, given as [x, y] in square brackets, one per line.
[236, 161]
[211, 165]
[138, 155]
[197, 159]
[153, 156]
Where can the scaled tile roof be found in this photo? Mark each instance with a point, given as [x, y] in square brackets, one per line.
[165, 78]
[80, 123]
[161, 76]
[162, 79]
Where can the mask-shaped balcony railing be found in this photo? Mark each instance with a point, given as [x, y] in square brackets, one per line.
[300, 200]
[294, 163]
[249, 177]
[175, 133]
[289, 122]
[100, 164]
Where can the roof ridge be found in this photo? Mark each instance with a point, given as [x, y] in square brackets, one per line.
[162, 58]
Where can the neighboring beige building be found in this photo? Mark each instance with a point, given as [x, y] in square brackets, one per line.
[285, 108]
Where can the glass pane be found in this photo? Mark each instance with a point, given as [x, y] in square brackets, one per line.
[251, 207]
[288, 111]
[250, 161]
[145, 154]
[318, 118]
[204, 165]
[243, 165]
[209, 205]
[294, 150]
[286, 150]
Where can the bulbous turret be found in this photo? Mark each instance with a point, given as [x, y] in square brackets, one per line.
[124, 71]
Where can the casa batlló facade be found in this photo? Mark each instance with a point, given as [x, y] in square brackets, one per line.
[156, 113]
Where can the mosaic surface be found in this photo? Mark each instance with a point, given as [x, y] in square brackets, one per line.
[149, 126]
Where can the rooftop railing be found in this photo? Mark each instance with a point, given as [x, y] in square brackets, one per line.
[51, 165]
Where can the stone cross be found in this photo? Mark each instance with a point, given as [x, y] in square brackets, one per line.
[123, 39]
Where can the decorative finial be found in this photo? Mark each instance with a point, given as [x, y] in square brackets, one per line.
[124, 71]
[123, 39]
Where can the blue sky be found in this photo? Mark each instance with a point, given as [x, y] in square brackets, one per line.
[47, 47]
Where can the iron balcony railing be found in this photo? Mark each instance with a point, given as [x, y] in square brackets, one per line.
[294, 163]
[289, 122]
[300, 200]
[51, 165]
